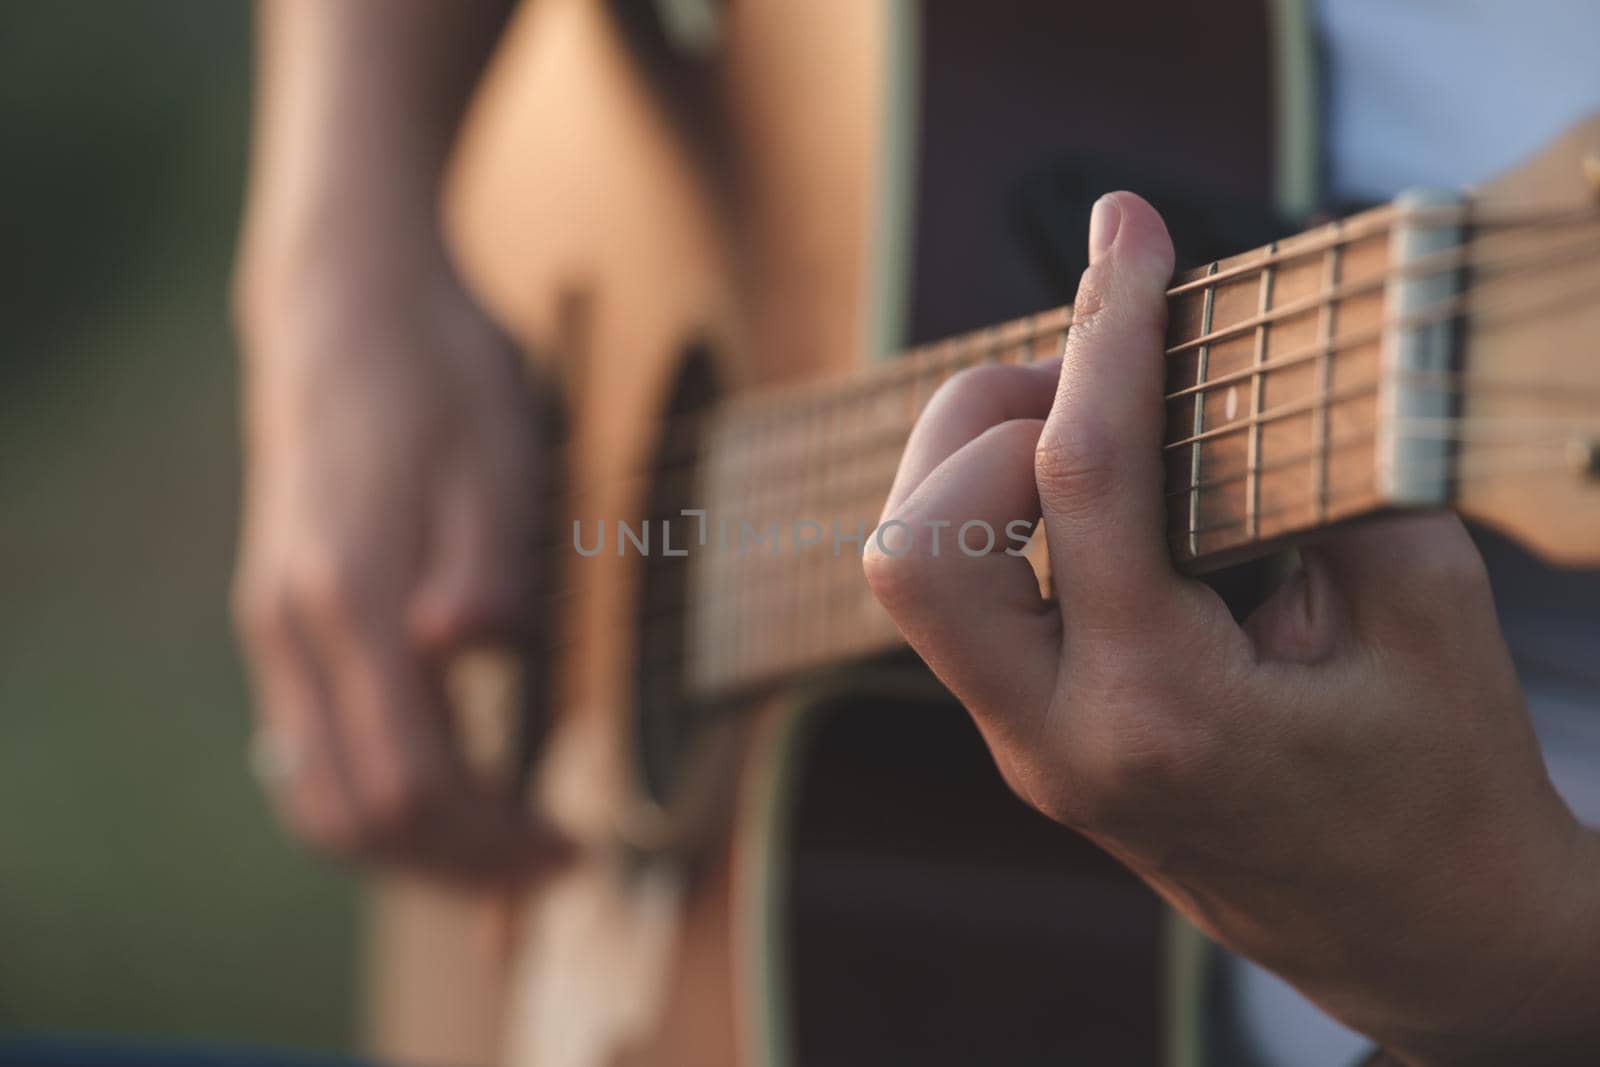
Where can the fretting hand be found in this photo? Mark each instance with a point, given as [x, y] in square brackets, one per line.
[1345, 788]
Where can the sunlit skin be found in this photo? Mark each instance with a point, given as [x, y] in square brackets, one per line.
[1345, 788]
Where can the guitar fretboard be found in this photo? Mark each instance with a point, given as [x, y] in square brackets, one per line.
[1282, 418]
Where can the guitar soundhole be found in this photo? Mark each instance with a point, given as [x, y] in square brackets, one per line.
[667, 720]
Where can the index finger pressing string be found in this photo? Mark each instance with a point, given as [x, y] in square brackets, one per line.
[948, 569]
[1099, 462]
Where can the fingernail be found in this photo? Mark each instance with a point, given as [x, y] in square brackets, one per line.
[1104, 222]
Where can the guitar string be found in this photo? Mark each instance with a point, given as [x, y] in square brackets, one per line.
[759, 589]
[887, 446]
[972, 343]
[1464, 471]
[1449, 260]
[739, 660]
[1440, 311]
[1344, 232]
[945, 356]
[872, 481]
[1031, 341]
[1449, 468]
[1311, 352]
[1554, 466]
[1457, 469]
[1486, 434]
[766, 593]
[895, 439]
[1366, 438]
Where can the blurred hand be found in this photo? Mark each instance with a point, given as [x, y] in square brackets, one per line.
[388, 526]
[1345, 788]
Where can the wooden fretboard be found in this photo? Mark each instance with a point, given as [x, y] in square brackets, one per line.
[1282, 410]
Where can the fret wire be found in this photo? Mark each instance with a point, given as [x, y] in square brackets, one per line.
[1367, 486]
[1555, 465]
[1325, 354]
[1282, 411]
[902, 368]
[1028, 338]
[896, 375]
[1454, 258]
[831, 598]
[1202, 360]
[920, 394]
[1450, 428]
[1321, 423]
[1442, 310]
[1358, 492]
[799, 565]
[1544, 440]
[1294, 358]
[1377, 225]
[896, 372]
[1345, 232]
[879, 490]
[887, 446]
[1357, 440]
[1257, 384]
[1487, 430]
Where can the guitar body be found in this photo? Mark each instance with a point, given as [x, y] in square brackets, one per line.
[692, 222]
[827, 870]
[838, 876]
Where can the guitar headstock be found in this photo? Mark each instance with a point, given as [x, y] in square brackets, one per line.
[1527, 419]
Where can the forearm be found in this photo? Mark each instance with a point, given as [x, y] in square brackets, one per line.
[357, 106]
[1550, 1009]
[1515, 979]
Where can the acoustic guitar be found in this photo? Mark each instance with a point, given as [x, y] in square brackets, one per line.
[795, 849]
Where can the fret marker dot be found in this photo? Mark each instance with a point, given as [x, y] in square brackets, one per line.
[1231, 407]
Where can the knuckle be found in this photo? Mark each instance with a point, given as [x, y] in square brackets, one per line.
[971, 385]
[1022, 435]
[993, 393]
[260, 615]
[1446, 579]
[1124, 754]
[396, 806]
[1108, 784]
[1090, 298]
[324, 829]
[1075, 462]
[903, 557]
[326, 590]
[894, 575]
[462, 615]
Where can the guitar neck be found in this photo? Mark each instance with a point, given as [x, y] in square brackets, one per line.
[1310, 382]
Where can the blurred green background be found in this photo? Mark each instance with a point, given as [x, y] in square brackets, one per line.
[143, 887]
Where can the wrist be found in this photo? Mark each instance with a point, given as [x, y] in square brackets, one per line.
[1550, 997]
[369, 257]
